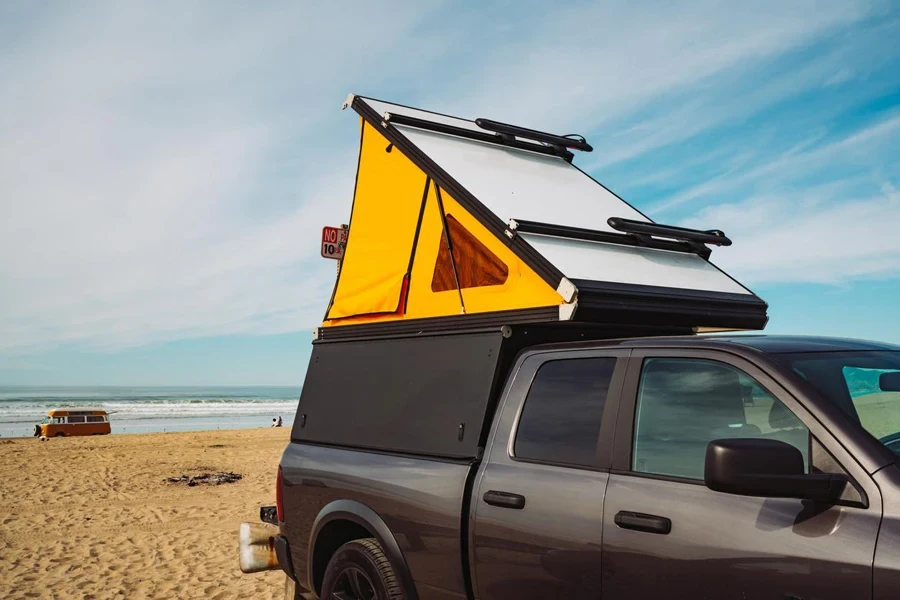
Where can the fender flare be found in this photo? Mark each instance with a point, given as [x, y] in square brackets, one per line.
[350, 510]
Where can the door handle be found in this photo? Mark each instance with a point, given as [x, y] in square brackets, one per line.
[641, 522]
[504, 499]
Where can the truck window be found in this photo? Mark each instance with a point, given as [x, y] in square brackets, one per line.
[863, 384]
[683, 404]
[95, 419]
[76, 419]
[560, 421]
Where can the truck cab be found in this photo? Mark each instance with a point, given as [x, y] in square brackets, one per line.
[746, 467]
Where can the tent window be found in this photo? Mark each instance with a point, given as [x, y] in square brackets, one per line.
[475, 264]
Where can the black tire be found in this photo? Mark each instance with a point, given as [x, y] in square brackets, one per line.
[59, 434]
[359, 570]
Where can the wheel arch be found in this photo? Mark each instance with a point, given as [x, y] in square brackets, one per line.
[334, 517]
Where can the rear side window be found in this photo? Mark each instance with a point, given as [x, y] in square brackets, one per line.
[560, 421]
[76, 419]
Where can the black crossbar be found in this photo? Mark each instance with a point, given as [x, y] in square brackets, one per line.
[710, 236]
[608, 237]
[491, 138]
[533, 134]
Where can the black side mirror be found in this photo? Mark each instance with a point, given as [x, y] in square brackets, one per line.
[766, 468]
[889, 382]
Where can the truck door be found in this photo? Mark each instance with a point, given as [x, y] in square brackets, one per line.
[538, 501]
[666, 535]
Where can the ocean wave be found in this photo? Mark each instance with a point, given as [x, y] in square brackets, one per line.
[140, 410]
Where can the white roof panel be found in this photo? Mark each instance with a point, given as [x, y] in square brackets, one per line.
[523, 185]
[598, 261]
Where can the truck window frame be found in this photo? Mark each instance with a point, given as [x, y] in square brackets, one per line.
[625, 420]
[524, 378]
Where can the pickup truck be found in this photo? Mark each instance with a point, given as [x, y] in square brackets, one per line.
[745, 467]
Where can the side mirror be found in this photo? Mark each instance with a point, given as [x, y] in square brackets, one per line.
[766, 468]
[889, 382]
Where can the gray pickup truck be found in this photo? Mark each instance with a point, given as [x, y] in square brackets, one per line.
[683, 467]
[509, 399]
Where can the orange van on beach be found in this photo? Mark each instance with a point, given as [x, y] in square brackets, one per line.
[69, 421]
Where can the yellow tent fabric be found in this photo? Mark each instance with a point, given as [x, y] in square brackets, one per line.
[522, 289]
[386, 206]
[393, 246]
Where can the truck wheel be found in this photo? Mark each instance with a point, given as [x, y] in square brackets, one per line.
[59, 434]
[359, 570]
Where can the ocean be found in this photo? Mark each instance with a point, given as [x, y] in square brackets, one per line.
[148, 409]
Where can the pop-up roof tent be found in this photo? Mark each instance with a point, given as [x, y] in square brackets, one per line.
[457, 222]
[468, 242]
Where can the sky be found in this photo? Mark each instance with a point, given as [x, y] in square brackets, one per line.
[166, 168]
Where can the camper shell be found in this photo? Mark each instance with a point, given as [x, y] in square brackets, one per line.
[468, 242]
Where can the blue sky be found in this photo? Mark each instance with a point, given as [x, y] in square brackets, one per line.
[166, 168]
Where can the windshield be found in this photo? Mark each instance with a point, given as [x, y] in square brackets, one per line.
[865, 385]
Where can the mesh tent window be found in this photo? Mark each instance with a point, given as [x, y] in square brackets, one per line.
[476, 265]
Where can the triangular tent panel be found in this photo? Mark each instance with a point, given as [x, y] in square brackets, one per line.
[483, 221]
[396, 245]
[385, 216]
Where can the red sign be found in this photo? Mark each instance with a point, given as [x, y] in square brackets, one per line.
[334, 242]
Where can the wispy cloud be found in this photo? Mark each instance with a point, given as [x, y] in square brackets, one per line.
[822, 235]
[164, 173]
[597, 63]
[165, 170]
[801, 159]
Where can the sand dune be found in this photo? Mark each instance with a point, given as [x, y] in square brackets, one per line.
[92, 517]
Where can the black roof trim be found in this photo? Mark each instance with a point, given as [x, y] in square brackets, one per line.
[455, 324]
[654, 305]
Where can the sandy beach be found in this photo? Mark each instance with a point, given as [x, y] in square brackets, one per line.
[93, 518]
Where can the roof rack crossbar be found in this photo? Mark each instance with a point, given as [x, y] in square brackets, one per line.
[491, 138]
[684, 234]
[607, 237]
[570, 142]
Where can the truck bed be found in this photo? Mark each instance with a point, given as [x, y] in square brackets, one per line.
[420, 500]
